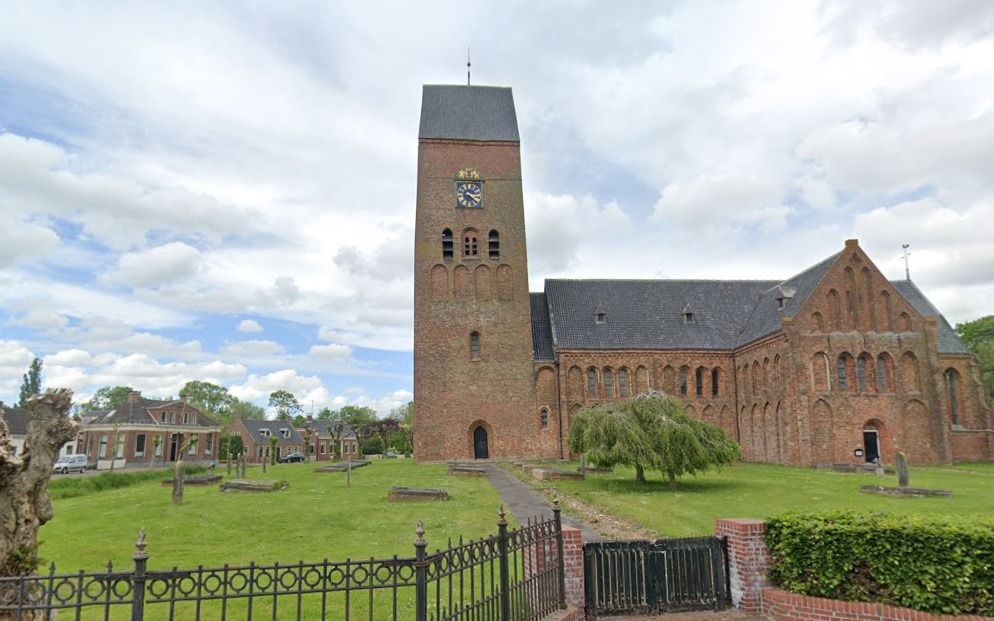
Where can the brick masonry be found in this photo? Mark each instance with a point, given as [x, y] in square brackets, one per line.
[748, 560]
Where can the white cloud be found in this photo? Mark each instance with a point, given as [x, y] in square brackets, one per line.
[20, 240]
[251, 348]
[249, 326]
[725, 201]
[158, 266]
[257, 387]
[331, 351]
[69, 358]
[43, 319]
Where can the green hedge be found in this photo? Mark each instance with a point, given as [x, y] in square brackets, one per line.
[941, 565]
[70, 486]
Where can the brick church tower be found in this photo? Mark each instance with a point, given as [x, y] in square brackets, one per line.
[473, 387]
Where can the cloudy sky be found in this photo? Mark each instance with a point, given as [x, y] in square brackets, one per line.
[225, 191]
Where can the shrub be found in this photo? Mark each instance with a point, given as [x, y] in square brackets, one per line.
[82, 486]
[941, 565]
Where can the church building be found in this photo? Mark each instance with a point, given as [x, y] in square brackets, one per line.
[836, 364]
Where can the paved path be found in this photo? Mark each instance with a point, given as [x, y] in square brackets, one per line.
[525, 503]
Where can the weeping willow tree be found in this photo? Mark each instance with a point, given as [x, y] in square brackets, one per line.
[650, 432]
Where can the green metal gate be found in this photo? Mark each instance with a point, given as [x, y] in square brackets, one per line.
[651, 577]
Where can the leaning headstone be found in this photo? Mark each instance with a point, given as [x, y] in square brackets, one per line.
[903, 476]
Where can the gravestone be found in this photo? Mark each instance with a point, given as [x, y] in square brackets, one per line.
[417, 493]
[254, 485]
[903, 476]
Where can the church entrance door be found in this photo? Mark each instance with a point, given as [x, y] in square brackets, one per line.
[481, 450]
[871, 445]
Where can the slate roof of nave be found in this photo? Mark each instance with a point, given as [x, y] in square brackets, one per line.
[468, 113]
[649, 314]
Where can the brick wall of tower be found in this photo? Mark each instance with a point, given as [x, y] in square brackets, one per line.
[455, 297]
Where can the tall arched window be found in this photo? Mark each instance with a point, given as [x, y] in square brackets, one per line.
[699, 381]
[866, 373]
[861, 373]
[493, 245]
[623, 383]
[715, 377]
[952, 388]
[470, 244]
[447, 249]
[609, 383]
[682, 379]
[843, 372]
[592, 383]
[474, 345]
[885, 373]
[834, 314]
[820, 373]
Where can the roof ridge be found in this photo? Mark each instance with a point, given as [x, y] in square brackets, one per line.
[685, 280]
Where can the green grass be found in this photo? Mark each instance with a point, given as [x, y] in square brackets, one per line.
[71, 486]
[316, 517]
[758, 491]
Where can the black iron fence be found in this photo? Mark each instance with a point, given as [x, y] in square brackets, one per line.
[513, 575]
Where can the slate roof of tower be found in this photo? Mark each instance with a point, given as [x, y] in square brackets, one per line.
[541, 329]
[648, 314]
[468, 113]
[948, 342]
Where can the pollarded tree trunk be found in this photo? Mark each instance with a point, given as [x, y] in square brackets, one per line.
[24, 501]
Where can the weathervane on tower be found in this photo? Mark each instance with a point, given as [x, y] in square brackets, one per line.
[468, 65]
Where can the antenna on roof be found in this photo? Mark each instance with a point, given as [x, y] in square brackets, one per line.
[468, 65]
[907, 253]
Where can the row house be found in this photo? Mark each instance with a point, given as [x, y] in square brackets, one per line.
[257, 436]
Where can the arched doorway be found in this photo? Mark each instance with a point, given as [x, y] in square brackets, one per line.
[481, 446]
[871, 442]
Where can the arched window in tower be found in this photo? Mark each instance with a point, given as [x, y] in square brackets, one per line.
[715, 381]
[623, 383]
[861, 373]
[952, 389]
[699, 382]
[682, 379]
[470, 244]
[592, 383]
[844, 371]
[609, 383]
[888, 311]
[543, 418]
[493, 245]
[834, 314]
[447, 248]
[474, 345]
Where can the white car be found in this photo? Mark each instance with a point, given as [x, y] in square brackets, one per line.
[70, 463]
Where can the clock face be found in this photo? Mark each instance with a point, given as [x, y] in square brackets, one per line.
[469, 194]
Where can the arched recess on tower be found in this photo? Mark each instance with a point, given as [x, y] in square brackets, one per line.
[481, 439]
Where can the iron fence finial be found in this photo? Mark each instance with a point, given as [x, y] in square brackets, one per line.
[419, 533]
[140, 546]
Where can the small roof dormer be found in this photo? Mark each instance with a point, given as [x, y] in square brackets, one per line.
[600, 314]
[688, 313]
[784, 295]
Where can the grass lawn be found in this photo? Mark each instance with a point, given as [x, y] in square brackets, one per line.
[316, 517]
[758, 490]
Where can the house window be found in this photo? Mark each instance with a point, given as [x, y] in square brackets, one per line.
[600, 318]
[715, 381]
[474, 346]
[543, 418]
[592, 383]
[103, 446]
[683, 381]
[194, 440]
[265, 433]
[493, 245]
[623, 383]
[119, 453]
[209, 444]
[469, 245]
[323, 448]
[447, 246]
[140, 445]
[699, 381]
[258, 452]
[158, 445]
[285, 432]
[608, 383]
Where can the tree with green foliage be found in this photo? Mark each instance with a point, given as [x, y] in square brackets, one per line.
[213, 400]
[245, 410]
[357, 416]
[286, 404]
[108, 398]
[978, 336]
[650, 432]
[31, 383]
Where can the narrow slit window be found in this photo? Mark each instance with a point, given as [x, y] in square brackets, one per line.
[543, 419]
[447, 246]
[841, 369]
[683, 381]
[592, 383]
[699, 381]
[623, 383]
[493, 245]
[608, 383]
[714, 382]
[474, 346]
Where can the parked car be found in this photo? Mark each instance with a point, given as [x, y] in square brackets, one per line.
[70, 463]
[292, 458]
